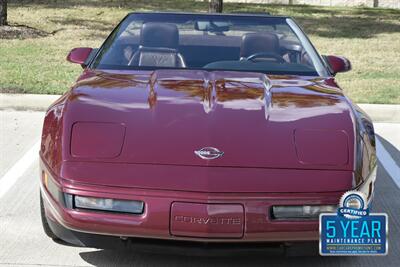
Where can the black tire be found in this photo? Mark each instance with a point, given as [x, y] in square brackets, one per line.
[46, 228]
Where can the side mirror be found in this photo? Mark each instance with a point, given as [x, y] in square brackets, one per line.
[79, 55]
[338, 64]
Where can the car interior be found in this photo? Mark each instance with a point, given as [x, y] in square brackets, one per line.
[158, 47]
[160, 44]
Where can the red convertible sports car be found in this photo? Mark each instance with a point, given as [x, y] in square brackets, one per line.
[202, 131]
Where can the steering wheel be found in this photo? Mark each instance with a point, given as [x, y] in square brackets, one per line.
[275, 56]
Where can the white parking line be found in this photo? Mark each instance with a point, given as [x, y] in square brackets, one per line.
[19, 168]
[388, 162]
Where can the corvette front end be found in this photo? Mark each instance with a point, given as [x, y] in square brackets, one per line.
[207, 155]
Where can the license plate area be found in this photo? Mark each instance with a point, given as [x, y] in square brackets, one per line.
[207, 220]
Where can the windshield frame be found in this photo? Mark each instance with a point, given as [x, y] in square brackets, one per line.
[319, 65]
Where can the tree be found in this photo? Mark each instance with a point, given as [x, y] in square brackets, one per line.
[215, 6]
[3, 12]
[376, 3]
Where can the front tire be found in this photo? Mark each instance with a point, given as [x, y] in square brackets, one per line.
[46, 228]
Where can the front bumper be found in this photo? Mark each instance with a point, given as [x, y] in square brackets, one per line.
[183, 247]
[155, 222]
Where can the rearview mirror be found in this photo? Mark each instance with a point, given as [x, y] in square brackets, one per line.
[338, 64]
[79, 55]
[211, 26]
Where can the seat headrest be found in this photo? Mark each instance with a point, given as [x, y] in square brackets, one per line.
[259, 42]
[154, 34]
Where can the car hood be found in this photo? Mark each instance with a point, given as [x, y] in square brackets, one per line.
[165, 116]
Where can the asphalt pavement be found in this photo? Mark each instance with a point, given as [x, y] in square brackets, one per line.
[23, 243]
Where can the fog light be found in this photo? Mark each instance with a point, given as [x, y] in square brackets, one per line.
[300, 212]
[108, 204]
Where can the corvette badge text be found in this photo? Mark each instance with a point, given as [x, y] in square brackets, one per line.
[208, 220]
[353, 230]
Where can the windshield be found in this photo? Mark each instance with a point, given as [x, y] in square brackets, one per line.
[264, 44]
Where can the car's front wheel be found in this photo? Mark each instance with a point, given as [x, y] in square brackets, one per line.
[46, 228]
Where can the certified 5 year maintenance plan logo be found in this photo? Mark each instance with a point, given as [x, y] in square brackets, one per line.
[353, 230]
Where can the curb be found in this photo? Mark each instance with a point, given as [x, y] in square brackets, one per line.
[30, 102]
[387, 113]
[26, 102]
